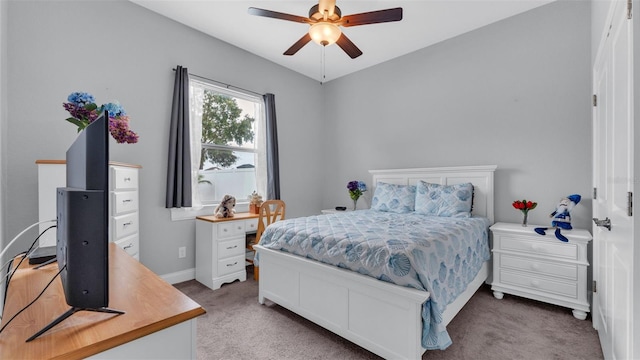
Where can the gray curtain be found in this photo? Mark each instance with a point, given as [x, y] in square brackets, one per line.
[179, 167]
[273, 164]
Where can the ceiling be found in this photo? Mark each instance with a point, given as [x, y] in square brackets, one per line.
[425, 22]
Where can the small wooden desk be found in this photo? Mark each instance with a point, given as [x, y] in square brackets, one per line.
[221, 246]
[159, 320]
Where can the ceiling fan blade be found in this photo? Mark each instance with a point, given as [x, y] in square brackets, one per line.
[373, 17]
[348, 46]
[328, 5]
[298, 45]
[278, 15]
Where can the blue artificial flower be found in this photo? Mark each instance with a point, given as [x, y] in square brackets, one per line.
[114, 109]
[362, 186]
[81, 98]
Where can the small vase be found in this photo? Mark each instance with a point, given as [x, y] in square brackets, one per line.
[355, 204]
[524, 219]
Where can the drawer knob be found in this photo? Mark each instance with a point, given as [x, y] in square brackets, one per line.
[225, 230]
[127, 179]
[232, 247]
[126, 201]
[128, 246]
[234, 264]
[127, 224]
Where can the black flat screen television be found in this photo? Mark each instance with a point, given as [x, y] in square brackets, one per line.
[82, 234]
[82, 238]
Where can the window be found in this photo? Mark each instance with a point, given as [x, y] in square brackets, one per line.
[228, 143]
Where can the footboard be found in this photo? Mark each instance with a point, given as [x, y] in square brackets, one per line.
[381, 317]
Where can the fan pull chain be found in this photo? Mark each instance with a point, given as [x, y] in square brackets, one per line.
[323, 65]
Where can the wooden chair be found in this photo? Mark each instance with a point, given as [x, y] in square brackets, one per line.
[270, 212]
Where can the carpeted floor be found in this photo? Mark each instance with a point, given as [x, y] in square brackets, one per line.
[237, 327]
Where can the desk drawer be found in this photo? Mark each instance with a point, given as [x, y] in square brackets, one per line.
[230, 228]
[251, 225]
[231, 248]
[230, 265]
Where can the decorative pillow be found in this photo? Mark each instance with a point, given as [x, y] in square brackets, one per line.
[394, 198]
[444, 200]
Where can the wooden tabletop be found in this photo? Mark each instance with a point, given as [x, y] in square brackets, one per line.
[237, 216]
[150, 304]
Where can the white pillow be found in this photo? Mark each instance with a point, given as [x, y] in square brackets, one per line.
[444, 200]
[394, 198]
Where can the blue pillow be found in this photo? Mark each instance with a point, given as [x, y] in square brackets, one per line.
[444, 200]
[394, 198]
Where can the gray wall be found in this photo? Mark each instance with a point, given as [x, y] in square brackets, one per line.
[119, 51]
[515, 94]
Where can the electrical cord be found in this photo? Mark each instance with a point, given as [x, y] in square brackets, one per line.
[10, 274]
[34, 300]
[20, 234]
[31, 249]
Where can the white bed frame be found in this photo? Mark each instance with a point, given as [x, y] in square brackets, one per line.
[381, 317]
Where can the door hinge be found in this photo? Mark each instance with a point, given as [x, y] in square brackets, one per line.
[595, 100]
[595, 193]
[595, 286]
[629, 9]
[629, 203]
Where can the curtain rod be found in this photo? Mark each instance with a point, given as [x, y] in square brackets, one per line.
[230, 87]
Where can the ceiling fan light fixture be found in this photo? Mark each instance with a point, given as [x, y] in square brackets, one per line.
[324, 33]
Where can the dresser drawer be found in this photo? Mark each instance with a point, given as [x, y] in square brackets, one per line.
[124, 202]
[538, 284]
[565, 271]
[129, 244]
[124, 225]
[230, 265]
[230, 229]
[251, 225]
[231, 248]
[532, 246]
[124, 178]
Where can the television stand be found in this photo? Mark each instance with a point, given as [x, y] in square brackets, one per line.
[70, 312]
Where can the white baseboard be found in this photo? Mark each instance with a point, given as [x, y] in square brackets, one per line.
[180, 276]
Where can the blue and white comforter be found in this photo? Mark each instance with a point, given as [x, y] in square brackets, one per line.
[440, 255]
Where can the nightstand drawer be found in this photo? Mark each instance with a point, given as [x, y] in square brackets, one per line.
[230, 248]
[539, 247]
[539, 284]
[566, 271]
[230, 228]
[230, 265]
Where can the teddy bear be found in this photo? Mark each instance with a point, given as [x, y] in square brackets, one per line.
[561, 216]
[226, 207]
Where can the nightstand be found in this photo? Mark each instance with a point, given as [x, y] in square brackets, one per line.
[541, 267]
[334, 211]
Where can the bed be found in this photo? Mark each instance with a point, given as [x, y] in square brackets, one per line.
[388, 319]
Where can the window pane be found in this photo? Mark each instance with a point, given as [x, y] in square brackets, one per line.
[238, 180]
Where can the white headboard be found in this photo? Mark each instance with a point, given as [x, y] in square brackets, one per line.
[480, 176]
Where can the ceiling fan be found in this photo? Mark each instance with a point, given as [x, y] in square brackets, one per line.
[325, 19]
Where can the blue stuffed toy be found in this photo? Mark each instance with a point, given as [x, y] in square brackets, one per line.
[561, 217]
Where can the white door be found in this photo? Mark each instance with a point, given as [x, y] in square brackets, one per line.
[613, 180]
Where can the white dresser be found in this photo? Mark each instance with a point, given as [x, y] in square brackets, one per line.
[220, 248]
[123, 202]
[541, 267]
